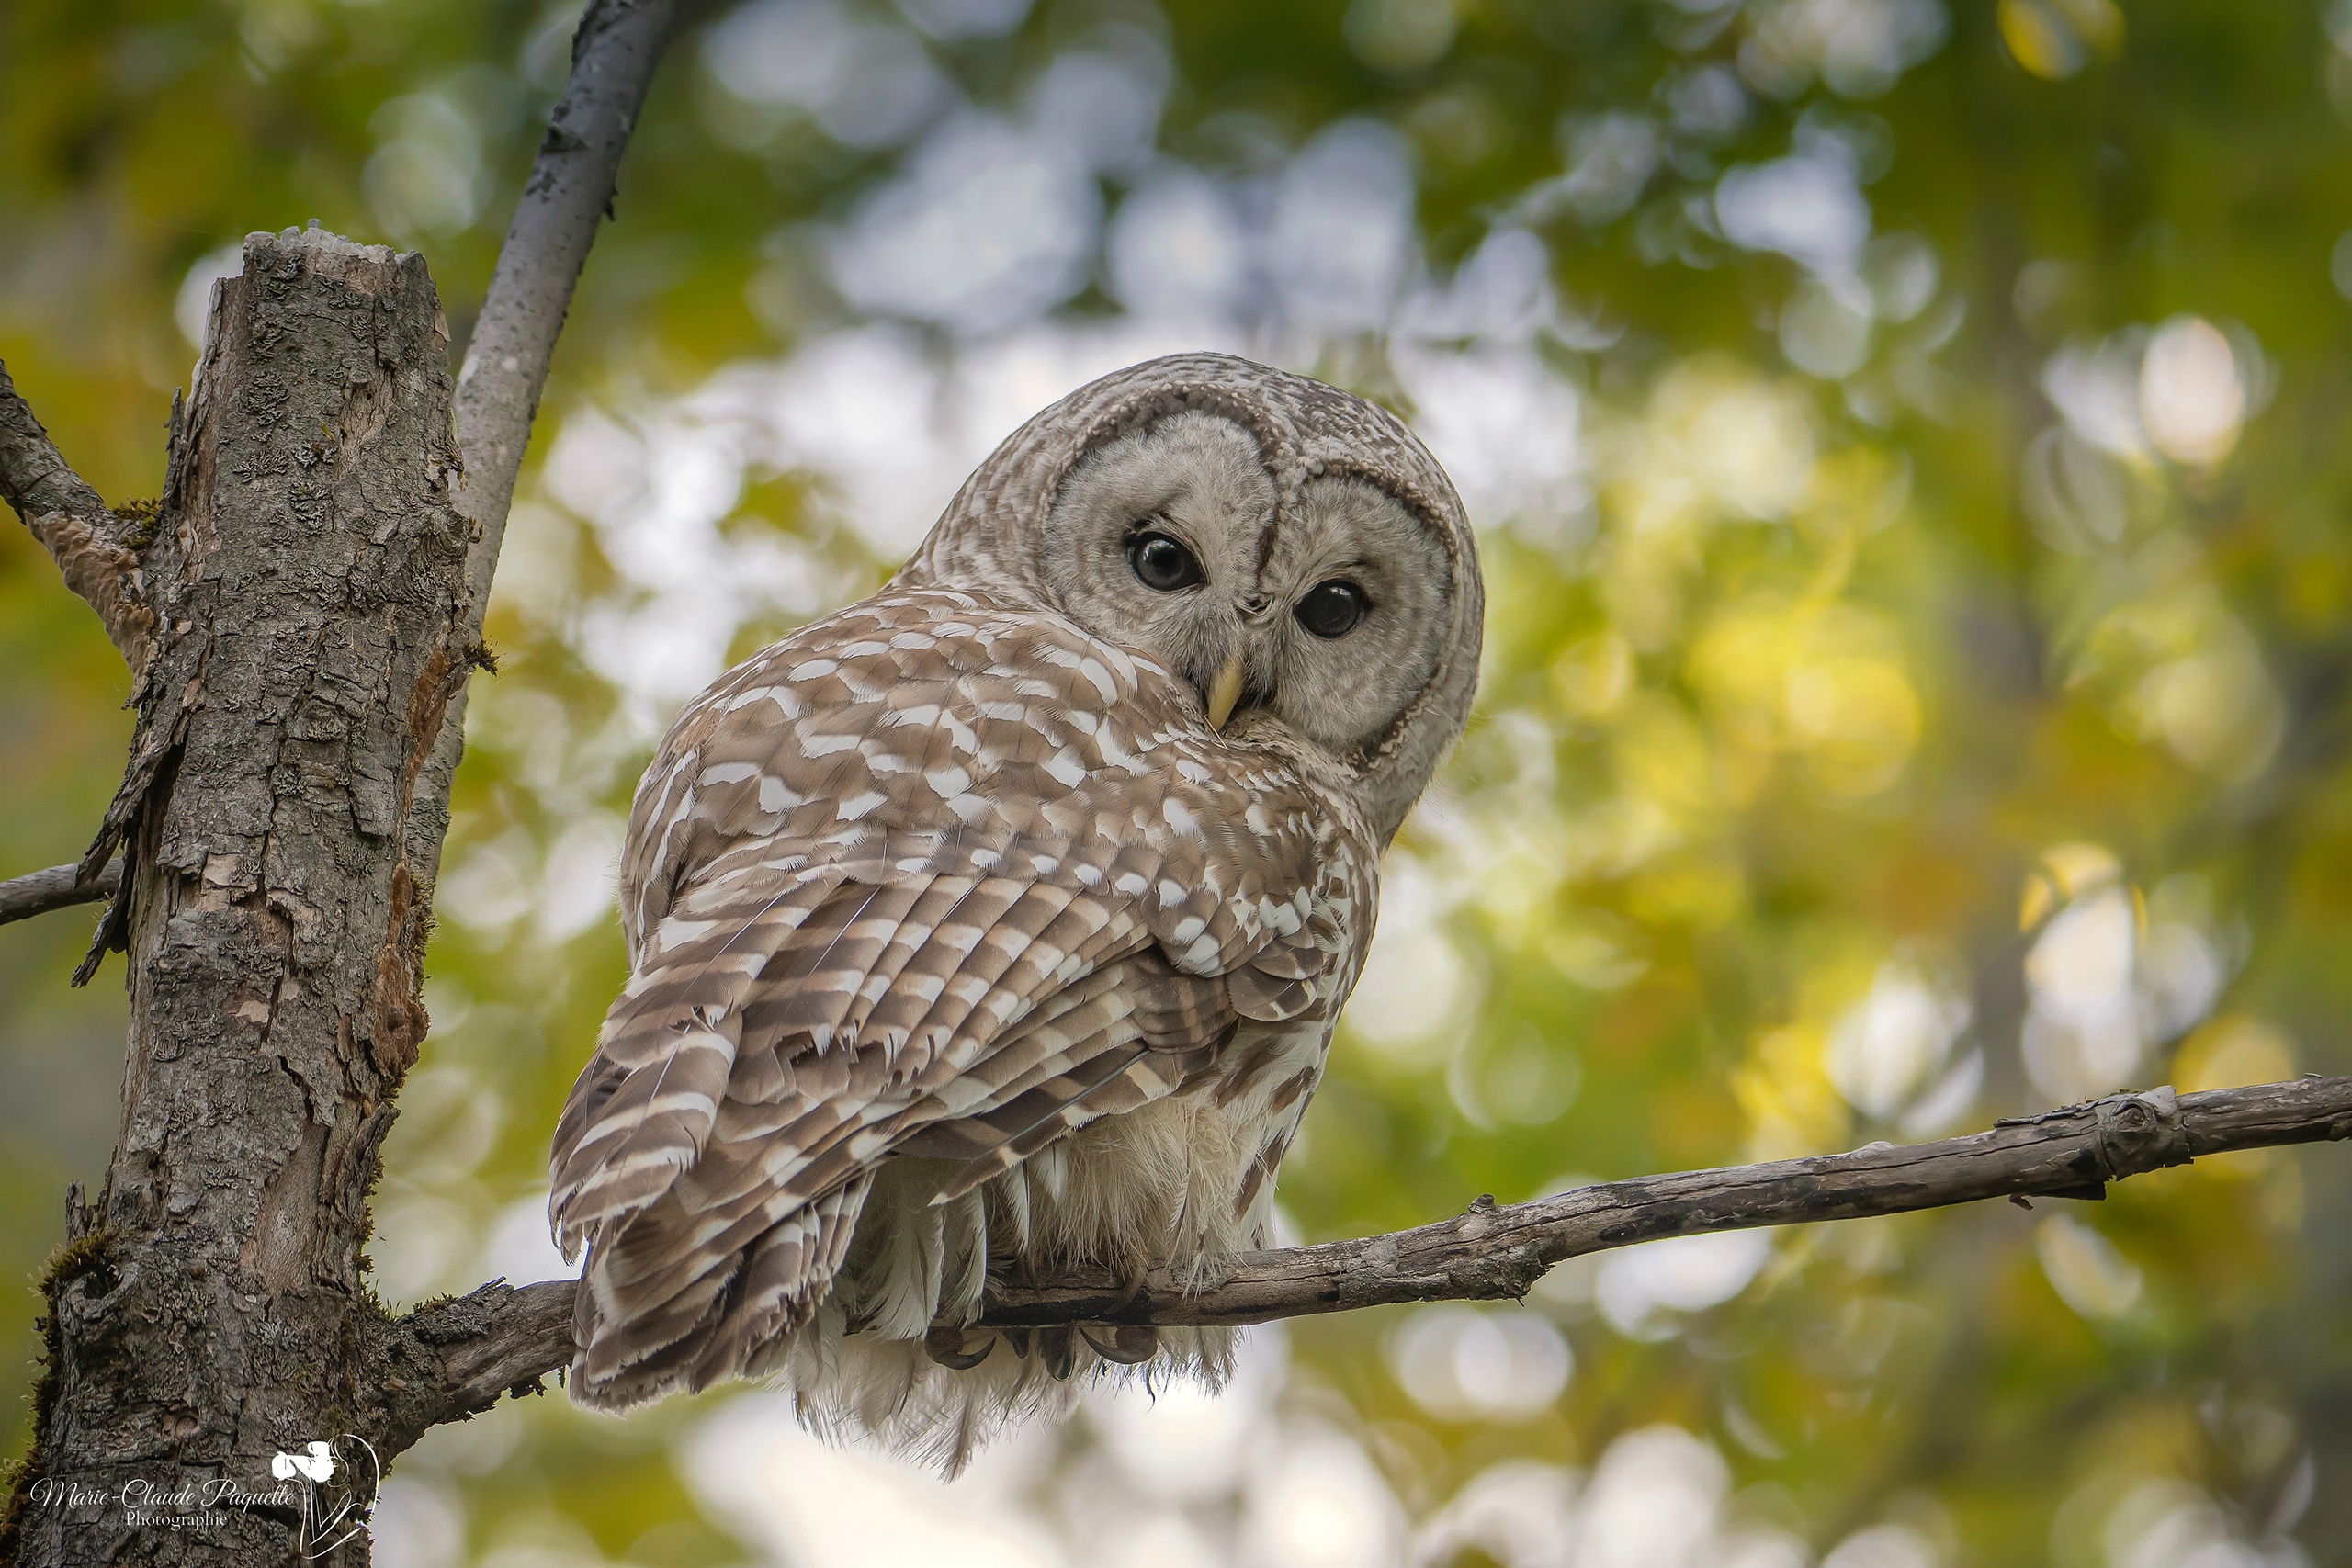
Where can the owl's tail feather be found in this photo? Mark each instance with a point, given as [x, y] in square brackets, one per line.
[628, 1134]
[641, 1114]
[720, 1321]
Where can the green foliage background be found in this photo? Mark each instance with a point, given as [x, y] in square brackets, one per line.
[1861, 697]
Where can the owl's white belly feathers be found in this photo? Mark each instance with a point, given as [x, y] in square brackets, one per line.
[1164, 1184]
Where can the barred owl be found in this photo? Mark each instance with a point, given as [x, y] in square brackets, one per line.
[1001, 921]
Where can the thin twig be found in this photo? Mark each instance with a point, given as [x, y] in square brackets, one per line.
[94, 549]
[38, 892]
[510, 1337]
[570, 189]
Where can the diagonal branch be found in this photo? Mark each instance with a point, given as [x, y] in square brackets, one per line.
[96, 549]
[571, 190]
[614, 53]
[500, 1338]
[59, 887]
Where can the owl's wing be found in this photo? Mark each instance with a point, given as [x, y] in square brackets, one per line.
[928, 878]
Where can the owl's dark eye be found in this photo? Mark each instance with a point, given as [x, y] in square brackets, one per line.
[1162, 564]
[1332, 609]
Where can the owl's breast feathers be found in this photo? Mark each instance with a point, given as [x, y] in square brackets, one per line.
[933, 877]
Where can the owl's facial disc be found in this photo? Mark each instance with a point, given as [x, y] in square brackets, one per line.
[1359, 597]
[1325, 614]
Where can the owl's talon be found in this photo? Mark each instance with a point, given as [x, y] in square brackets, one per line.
[1131, 1288]
[1059, 1348]
[1131, 1343]
[952, 1348]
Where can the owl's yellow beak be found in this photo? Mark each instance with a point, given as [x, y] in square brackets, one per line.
[1224, 691]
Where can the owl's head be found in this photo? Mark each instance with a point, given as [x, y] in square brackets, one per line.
[1291, 550]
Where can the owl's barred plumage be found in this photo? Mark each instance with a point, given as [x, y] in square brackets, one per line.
[962, 938]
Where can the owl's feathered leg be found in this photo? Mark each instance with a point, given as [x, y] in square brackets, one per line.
[889, 1351]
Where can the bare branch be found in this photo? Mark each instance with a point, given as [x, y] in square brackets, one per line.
[614, 53]
[570, 189]
[1494, 1253]
[35, 478]
[59, 887]
[453, 1357]
[95, 550]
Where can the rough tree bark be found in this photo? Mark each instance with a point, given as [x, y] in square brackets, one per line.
[307, 584]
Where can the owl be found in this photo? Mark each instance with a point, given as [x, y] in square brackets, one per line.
[999, 922]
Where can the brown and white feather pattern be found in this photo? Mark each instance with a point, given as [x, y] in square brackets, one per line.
[944, 909]
[961, 940]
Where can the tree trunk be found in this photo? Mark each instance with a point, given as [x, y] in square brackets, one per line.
[311, 629]
[300, 620]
